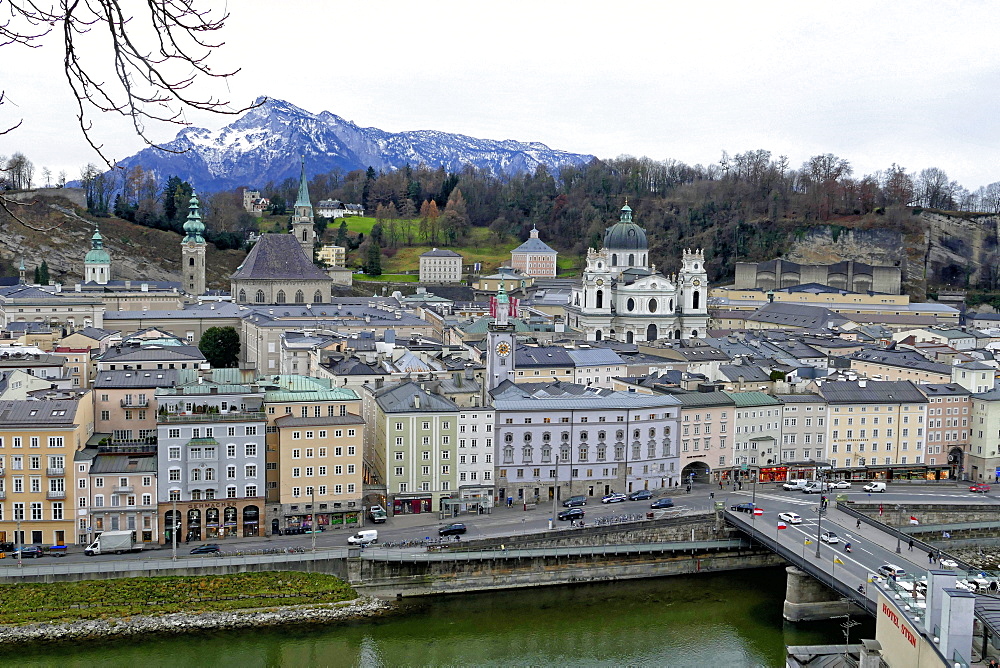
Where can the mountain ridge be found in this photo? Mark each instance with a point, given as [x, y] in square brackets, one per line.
[265, 144]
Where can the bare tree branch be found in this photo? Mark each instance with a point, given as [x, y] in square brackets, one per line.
[149, 84]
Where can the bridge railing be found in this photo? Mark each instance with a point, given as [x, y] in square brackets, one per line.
[897, 531]
[797, 560]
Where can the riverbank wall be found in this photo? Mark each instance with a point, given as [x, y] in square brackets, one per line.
[182, 622]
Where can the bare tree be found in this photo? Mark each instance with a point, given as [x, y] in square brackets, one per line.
[152, 83]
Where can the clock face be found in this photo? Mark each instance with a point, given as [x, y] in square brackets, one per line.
[503, 349]
[600, 281]
[697, 282]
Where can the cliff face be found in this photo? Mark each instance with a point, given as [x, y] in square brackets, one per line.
[59, 233]
[934, 249]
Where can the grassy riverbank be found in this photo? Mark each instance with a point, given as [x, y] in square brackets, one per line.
[113, 599]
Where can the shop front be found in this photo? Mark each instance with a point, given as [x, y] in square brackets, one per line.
[210, 520]
[773, 474]
[412, 505]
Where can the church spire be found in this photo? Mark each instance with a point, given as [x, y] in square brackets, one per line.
[303, 198]
[626, 213]
[194, 229]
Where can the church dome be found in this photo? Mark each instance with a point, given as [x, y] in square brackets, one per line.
[625, 235]
[97, 254]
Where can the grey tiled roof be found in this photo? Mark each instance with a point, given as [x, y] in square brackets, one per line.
[399, 399]
[943, 389]
[901, 358]
[124, 464]
[440, 252]
[151, 353]
[279, 256]
[292, 421]
[797, 315]
[37, 412]
[533, 246]
[138, 378]
[872, 391]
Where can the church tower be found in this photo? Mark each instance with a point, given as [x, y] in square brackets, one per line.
[692, 282]
[302, 218]
[500, 341]
[193, 251]
[97, 263]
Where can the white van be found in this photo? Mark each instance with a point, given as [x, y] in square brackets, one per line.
[795, 485]
[874, 487]
[364, 537]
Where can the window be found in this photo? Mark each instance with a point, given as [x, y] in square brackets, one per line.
[251, 472]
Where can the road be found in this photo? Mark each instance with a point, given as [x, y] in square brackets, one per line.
[515, 521]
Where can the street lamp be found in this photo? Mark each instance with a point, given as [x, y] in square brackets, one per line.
[173, 532]
[819, 524]
[555, 494]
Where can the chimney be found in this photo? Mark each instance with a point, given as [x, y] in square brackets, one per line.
[416, 401]
[862, 383]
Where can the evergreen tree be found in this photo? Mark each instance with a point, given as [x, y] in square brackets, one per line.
[43, 273]
[38, 277]
[342, 234]
[220, 346]
[373, 264]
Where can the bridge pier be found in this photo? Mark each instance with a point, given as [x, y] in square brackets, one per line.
[808, 600]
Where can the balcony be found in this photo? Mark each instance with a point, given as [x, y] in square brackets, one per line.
[55, 471]
[55, 495]
[128, 489]
[145, 446]
[248, 416]
[134, 403]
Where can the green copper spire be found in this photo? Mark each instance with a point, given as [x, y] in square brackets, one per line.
[303, 198]
[194, 229]
[97, 254]
[626, 213]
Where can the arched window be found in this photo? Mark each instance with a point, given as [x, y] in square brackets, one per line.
[635, 433]
[695, 299]
[527, 437]
[619, 434]
[305, 236]
[600, 299]
[508, 437]
[565, 436]
[677, 333]
[694, 333]
[601, 435]
[598, 335]
[280, 297]
[652, 306]
[602, 453]
[629, 338]
[299, 297]
[583, 436]
[651, 332]
[259, 298]
[318, 297]
[631, 259]
[190, 263]
[671, 305]
[614, 260]
[546, 437]
[243, 295]
[630, 304]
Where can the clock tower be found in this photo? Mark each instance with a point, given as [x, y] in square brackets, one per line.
[500, 341]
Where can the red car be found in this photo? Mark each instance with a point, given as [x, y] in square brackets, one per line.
[980, 487]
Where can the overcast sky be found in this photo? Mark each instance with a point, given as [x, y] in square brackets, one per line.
[915, 83]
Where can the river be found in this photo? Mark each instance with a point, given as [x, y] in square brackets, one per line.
[706, 621]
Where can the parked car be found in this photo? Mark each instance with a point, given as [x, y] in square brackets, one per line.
[794, 485]
[840, 484]
[874, 487]
[364, 537]
[829, 537]
[791, 518]
[815, 487]
[574, 501]
[891, 570]
[29, 552]
[743, 507]
[641, 495]
[614, 497]
[452, 529]
[7, 547]
[571, 514]
[662, 503]
[207, 548]
[981, 487]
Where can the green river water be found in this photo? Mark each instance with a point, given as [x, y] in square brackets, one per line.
[711, 620]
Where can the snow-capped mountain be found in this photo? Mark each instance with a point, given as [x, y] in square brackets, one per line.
[265, 144]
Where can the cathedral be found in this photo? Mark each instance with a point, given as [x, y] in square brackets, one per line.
[623, 298]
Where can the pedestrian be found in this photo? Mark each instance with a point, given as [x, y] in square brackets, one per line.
[711, 495]
[689, 489]
[930, 557]
[720, 484]
[911, 545]
[858, 525]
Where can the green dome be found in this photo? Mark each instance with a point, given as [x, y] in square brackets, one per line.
[97, 254]
[194, 229]
[625, 235]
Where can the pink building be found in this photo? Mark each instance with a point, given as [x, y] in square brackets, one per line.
[534, 257]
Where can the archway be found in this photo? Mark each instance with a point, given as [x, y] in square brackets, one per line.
[251, 521]
[651, 333]
[598, 335]
[677, 333]
[955, 463]
[193, 525]
[695, 472]
[629, 337]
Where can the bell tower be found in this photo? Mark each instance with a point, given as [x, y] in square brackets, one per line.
[193, 250]
[500, 340]
[97, 263]
[692, 281]
[302, 217]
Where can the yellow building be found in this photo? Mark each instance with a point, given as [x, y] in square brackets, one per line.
[38, 440]
[332, 255]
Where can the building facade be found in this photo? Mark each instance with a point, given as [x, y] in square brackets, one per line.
[534, 257]
[440, 266]
[623, 298]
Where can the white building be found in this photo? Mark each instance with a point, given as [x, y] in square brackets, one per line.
[622, 297]
[440, 266]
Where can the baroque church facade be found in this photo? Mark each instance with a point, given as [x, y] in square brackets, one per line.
[622, 297]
